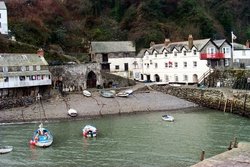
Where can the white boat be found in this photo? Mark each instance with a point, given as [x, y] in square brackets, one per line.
[107, 93]
[5, 149]
[122, 94]
[128, 91]
[72, 112]
[168, 118]
[86, 93]
[89, 131]
[41, 137]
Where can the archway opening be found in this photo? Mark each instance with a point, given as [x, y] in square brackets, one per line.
[91, 80]
[157, 78]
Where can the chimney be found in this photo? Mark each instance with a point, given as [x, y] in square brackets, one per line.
[190, 41]
[40, 52]
[152, 43]
[247, 44]
[167, 41]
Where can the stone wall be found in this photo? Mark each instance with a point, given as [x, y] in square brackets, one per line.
[74, 77]
[228, 100]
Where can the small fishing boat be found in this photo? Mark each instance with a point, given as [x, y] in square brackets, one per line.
[128, 91]
[42, 137]
[72, 112]
[122, 94]
[5, 149]
[107, 93]
[168, 118]
[86, 93]
[89, 131]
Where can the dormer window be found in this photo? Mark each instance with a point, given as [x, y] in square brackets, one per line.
[151, 62]
[155, 54]
[166, 54]
[185, 52]
[175, 53]
[195, 52]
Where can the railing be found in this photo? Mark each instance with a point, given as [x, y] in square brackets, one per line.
[205, 56]
[205, 75]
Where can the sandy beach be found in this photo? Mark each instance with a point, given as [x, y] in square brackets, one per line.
[57, 107]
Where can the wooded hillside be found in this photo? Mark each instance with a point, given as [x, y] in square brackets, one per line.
[70, 24]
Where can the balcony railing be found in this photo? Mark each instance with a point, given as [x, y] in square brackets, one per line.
[205, 56]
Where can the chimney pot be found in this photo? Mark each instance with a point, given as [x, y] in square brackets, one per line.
[167, 41]
[247, 44]
[40, 52]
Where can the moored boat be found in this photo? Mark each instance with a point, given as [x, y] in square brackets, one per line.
[72, 112]
[107, 93]
[122, 94]
[168, 118]
[128, 91]
[5, 149]
[89, 131]
[86, 93]
[42, 137]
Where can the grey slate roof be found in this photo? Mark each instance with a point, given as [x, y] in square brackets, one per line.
[2, 5]
[7, 59]
[199, 44]
[112, 46]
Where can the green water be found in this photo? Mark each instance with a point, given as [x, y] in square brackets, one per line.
[128, 140]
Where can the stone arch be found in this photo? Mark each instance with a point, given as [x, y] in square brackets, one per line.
[91, 80]
[157, 78]
[195, 78]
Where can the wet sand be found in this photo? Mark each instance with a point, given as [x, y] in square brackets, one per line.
[57, 107]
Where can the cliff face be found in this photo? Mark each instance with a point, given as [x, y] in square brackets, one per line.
[70, 24]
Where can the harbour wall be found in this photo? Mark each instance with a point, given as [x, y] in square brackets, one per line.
[223, 99]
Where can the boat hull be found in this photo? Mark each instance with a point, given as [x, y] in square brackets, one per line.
[86, 93]
[89, 131]
[5, 149]
[42, 138]
[168, 118]
[72, 112]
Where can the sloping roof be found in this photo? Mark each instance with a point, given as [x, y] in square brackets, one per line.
[219, 42]
[199, 44]
[7, 59]
[2, 5]
[141, 53]
[239, 46]
[112, 46]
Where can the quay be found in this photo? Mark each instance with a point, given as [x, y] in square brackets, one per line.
[237, 157]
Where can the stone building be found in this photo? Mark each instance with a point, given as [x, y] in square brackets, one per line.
[116, 57]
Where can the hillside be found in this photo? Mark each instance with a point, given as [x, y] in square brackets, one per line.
[68, 25]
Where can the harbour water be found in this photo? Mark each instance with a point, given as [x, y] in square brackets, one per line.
[142, 139]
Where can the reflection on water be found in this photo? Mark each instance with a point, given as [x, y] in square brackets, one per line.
[127, 140]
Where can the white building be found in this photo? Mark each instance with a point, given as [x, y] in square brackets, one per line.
[183, 62]
[3, 19]
[23, 70]
[241, 55]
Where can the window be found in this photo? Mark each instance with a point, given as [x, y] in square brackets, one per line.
[38, 68]
[166, 54]
[170, 64]
[166, 78]
[211, 50]
[1, 69]
[6, 79]
[185, 78]
[175, 53]
[30, 68]
[22, 78]
[226, 62]
[184, 64]
[147, 65]
[195, 52]
[23, 68]
[155, 54]
[176, 78]
[166, 65]
[226, 50]
[185, 53]
[151, 62]
[175, 64]
[194, 63]
[125, 66]
[117, 67]
[5, 69]
[156, 65]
